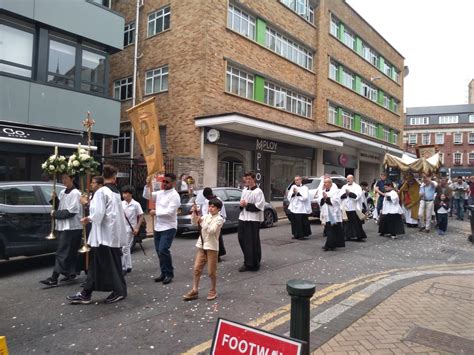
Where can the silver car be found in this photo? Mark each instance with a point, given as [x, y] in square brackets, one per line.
[231, 199]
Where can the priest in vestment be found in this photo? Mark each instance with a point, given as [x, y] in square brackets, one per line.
[300, 208]
[351, 201]
[331, 211]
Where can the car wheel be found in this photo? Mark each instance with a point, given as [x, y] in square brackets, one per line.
[268, 219]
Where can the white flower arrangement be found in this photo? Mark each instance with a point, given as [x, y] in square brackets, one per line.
[55, 164]
[80, 162]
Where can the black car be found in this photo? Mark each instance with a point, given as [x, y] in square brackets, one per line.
[312, 183]
[25, 218]
[231, 198]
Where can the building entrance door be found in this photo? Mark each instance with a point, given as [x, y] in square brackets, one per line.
[230, 172]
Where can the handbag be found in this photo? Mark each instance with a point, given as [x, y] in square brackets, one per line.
[362, 216]
[142, 234]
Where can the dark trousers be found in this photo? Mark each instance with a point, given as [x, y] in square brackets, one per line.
[163, 241]
[442, 221]
[69, 243]
[379, 205]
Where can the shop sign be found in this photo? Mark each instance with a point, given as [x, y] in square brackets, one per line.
[368, 156]
[338, 159]
[259, 168]
[27, 134]
[235, 338]
[123, 175]
[462, 171]
[14, 132]
[266, 146]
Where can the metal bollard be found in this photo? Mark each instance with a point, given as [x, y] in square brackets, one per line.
[300, 291]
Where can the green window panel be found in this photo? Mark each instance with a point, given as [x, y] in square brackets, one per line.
[358, 84]
[391, 140]
[393, 73]
[341, 31]
[340, 70]
[259, 89]
[380, 131]
[261, 30]
[391, 106]
[381, 63]
[357, 126]
[339, 116]
[358, 45]
[380, 95]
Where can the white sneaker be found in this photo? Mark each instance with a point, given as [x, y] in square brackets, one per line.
[393, 237]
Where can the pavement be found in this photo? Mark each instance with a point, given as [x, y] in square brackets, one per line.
[380, 297]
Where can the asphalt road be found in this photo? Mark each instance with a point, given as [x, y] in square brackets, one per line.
[154, 319]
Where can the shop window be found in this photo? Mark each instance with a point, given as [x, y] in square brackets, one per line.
[16, 51]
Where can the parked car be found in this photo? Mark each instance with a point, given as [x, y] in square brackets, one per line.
[313, 182]
[25, 218]
[231, 199]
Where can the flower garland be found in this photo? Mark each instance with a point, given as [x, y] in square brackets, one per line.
[55, 164]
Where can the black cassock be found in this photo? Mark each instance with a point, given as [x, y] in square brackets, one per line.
[353, 226]
[335, 232]
[249, 240]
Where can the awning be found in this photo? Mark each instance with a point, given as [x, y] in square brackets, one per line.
[41, 137]
[258, 128]
[356, 141]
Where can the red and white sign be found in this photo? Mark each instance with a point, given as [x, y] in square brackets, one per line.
[235, 338]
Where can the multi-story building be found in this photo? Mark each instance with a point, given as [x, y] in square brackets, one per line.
[471, 92]
[282, 87]
[54, 68]
[450, 128]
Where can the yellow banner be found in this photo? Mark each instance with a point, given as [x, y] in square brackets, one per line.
[145, 123]
[3, 346]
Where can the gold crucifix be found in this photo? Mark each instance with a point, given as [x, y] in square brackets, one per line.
[88, 123]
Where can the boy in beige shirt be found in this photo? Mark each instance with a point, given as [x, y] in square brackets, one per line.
[207, 248]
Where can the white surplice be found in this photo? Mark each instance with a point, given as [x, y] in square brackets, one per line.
[299, 203]
[331, 213]
[257, 198]
[349, 203]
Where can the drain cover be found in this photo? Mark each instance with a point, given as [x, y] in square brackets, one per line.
[440, 341]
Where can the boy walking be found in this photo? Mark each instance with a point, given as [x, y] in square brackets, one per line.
[207, 248]
[134, 218]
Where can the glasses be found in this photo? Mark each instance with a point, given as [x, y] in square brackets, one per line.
[167, 181]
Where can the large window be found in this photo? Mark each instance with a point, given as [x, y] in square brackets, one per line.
[471, 138]
[425, 138]
[412, 138]
[370, 55]
[239, 82]
[16, 51]
[332, 114]
[288, 48]
[457, 138]
[348, 79]
[334, 27]
[61, 63]
[369, 92]
[129, 34]
[349, 39]
[159, 21]
[386, 135]
[93, 71]
[332, 70]
[457, 158]
[156, 80]
[439, 138]
[302, 8]
[241, 22]
[347, 120]
[121, 144]
[123, 89]
[395, 138]
[448, 119]
[285, 99]
[414, 121]
[471, 158]
[368, 128]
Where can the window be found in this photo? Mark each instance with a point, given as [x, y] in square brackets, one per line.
[347, 120]
[159, 21]
[93, 71]
[347, 79]
[332, 114]
[412, 138]
[396, 75]
[23, 195]
[386, 101]
[121, 144]
[414, 121]
[233, 195]
[387, 69]
[241, 22]
[129, 34]
[395, 106]
[425, 138]
[61, 63]
[439, 138]
[156, 80]
[288, 48]
[301, 7]
[239, 82]
[386, 135]
[349, 39]
[368, 128]
[332, 70]
[471, 158]
[287, 100]
[471, 138]
[16, 51]
[370, 55]
[448, 119]
[123, 89]
[395, 138]
[471, 118]
[369, 91]
[457, 138]
[334, 28]
[457, 158]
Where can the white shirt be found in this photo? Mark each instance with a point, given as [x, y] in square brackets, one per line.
[70, 202]
[255, 197]
[108, 219]
[301, 203]
[349, 203]
[392, 206]
[133, 211]
[331, 213]
[167, 203]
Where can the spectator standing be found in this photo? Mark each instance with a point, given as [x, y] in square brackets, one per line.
[442, 209]
[460, 189]
[427, 195]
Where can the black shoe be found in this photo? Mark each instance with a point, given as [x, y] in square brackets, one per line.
[68, 278]
[360, 240]
[243, 268]
[79, 298]
[124, 272]
[160, 278]
[50, 282]
[167, 280]
[129, 270]
[112, 298]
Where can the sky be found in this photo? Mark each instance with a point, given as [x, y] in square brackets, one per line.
[436, 37]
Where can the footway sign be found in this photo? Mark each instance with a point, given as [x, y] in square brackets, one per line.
[235, 338]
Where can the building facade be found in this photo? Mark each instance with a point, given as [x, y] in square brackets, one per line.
[274, 86]
[450, 128]
[54, 68]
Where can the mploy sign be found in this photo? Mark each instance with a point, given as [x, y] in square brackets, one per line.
[14, 132]
[266, 146]
[235, 338]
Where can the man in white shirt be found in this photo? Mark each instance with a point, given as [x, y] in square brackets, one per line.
[134, 218]
[299, 207]
[167, 201]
